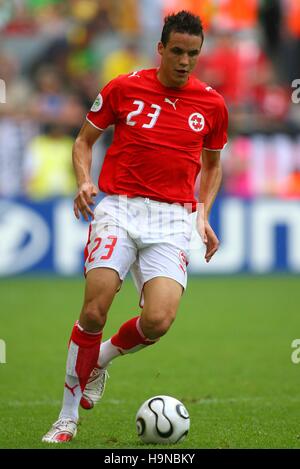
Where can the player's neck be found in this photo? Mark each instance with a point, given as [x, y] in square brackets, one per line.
[165, 81]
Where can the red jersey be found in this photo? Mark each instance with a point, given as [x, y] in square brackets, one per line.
[159, 135]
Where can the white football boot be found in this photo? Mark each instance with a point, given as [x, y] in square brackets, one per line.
[62, 431]
[94, 388]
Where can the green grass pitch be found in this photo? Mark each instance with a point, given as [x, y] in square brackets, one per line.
[227, 357]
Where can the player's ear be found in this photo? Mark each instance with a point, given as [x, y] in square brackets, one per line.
[160, 48]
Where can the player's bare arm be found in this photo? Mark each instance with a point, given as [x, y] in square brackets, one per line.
[82, 160]
[210, 182]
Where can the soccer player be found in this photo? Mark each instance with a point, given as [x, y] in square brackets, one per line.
[166, 121]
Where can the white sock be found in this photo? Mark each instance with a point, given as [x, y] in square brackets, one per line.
[81, 360]
[107, 353]
[128, 339]
[71, 399]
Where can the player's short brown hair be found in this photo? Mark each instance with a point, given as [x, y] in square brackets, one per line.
[182, 22]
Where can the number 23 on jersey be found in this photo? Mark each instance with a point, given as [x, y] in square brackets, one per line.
[153, 116]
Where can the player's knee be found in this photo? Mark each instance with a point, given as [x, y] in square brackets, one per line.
[93, 316]
[156, 326]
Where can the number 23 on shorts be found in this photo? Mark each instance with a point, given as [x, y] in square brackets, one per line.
[110, 247]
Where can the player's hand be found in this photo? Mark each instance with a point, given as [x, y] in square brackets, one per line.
[207, 234]
[84, 199]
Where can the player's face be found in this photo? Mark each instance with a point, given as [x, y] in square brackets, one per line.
[178, 58]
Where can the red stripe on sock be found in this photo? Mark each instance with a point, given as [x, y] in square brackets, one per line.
[128, 336]
[88, 352]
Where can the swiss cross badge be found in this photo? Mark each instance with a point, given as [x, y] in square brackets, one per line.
[196, 122]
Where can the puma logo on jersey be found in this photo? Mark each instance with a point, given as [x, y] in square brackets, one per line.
[134, 74]
[167, 100]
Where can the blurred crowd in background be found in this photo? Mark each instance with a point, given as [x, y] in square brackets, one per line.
[55, 55]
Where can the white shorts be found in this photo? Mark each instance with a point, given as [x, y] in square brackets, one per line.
[149, 238]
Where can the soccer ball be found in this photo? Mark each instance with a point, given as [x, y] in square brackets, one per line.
[162, 419]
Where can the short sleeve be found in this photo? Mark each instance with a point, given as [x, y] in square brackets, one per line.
[216, 139]
[104, 110]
